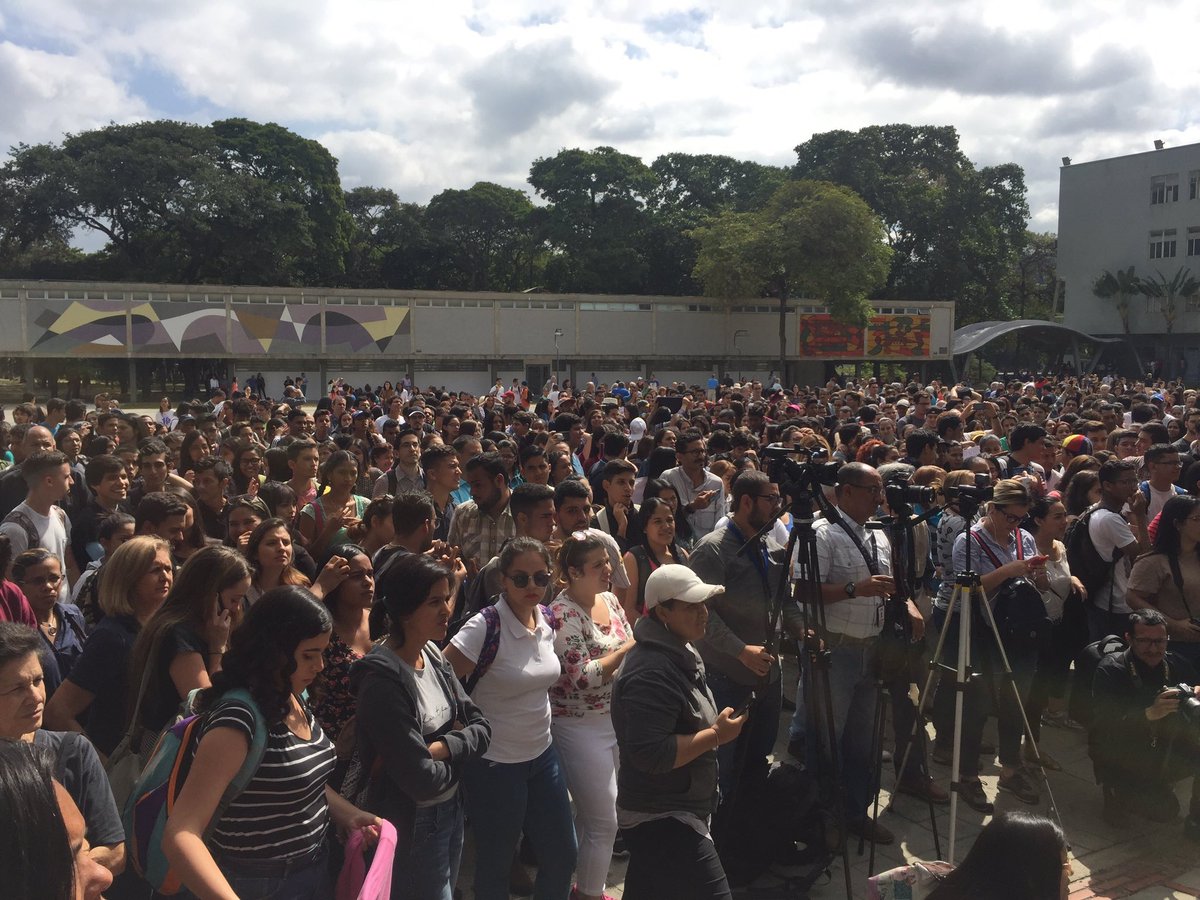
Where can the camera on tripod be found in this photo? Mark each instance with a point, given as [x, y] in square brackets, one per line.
[794, 476]
[901, 494]
[980, 492]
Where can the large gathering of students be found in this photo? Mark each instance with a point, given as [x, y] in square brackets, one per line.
[533, 619]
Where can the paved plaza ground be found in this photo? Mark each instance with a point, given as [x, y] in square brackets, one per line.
[1139, 860]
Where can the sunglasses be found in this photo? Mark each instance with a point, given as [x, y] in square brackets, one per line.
[521, 579]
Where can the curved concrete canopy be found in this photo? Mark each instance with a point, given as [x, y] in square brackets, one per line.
[970, 338]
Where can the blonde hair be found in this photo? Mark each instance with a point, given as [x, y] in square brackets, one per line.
[1009, 491]
[121, 572]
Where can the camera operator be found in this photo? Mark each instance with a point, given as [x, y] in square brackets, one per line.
[1141, 740]
[855, 568]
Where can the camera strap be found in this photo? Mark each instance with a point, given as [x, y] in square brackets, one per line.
[872, 558]
[988, 550]
[1177, 577]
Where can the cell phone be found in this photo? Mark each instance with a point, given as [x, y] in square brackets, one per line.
[674, 404]
[1038, 560]
[745, 707]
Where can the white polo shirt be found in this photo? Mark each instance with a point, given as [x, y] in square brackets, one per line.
[514, 692]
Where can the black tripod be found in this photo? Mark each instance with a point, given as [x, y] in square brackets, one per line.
[801, 483]
[896, 648]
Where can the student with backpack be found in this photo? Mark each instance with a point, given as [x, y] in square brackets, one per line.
[1102, 543]
[505, 653]
[1163, 465]
[271, 839]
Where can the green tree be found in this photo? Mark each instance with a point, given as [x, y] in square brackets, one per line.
[484, 238]
[1168, 292]
[812, 239]
[595, 219]
[233, 202]
[1119, 287]
[955, 229]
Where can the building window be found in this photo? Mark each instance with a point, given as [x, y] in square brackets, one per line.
[1164, 189]
[1193, 241]
[1194, 185]
[1162, 244]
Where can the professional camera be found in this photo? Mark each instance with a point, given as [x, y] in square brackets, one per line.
[788, 472]
[980, 492]
[1189, 703]
[901, 494]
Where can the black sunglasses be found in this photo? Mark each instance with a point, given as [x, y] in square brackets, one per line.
[521, 579]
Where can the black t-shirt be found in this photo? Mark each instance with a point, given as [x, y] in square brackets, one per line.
[103, 670]
[162, 700]
[78, 768]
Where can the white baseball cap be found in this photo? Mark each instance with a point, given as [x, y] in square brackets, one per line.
[637, 429]
[674, 582]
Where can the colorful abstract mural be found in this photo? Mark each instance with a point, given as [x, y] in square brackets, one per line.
[92, 327]
[276, 330]
[366, 329]
[823, 338]
[898, 336]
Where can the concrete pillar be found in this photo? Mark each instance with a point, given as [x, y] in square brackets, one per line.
[27, 374]
[133, 384]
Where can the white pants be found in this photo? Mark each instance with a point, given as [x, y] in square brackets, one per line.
[587, 750]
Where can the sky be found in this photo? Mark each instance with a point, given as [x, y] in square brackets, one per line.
[420, 97]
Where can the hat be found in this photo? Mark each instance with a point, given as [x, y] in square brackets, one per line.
[610, 401]
[673, 582]
[360, 414]
[637, 429]
[1077, 445]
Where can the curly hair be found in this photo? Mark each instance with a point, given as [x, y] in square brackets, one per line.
[262, 651]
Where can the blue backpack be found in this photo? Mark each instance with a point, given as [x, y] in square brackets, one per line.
[157, 788]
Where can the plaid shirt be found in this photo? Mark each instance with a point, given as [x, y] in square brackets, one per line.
[478, 535]
[841, 563]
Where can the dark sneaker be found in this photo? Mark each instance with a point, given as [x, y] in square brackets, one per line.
[924, 788]
[972, 794]
[1020, 786]
[871, 831]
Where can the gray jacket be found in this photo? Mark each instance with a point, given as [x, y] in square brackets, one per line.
[660, 694]
[739, 616]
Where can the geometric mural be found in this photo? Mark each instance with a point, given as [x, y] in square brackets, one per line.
[822, 337]
[902, 336]
[95, 327]
[887, 336]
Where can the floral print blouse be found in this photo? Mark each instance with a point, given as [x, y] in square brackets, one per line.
[333, 702]
[580, 643]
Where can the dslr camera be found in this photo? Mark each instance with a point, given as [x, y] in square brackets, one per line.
[901, 494]
[1189, 703]
[980, 492]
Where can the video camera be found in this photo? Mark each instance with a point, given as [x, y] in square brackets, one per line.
[795, 476]
[901, 494]
[980, 492]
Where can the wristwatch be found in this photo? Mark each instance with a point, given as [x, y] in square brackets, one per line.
[851, 590]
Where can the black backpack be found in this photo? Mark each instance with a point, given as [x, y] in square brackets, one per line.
[1081, 708]
[1085, 560]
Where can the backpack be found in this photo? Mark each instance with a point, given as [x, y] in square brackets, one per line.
[491, 643]
[1081, 708]
[157, 788]
[32, 538]
[1017, 607]
[1085, 560]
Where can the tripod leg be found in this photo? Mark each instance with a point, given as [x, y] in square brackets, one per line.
[879, 720]
[820, 675]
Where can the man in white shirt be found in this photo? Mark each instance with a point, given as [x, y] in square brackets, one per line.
[701, 493]
[48, 475]
[1162, 465]
[1119, 539]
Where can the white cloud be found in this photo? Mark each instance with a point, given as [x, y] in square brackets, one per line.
[421, 97]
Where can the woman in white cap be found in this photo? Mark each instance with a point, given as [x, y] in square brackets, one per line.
[668, 730]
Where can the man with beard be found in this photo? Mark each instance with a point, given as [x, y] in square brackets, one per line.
[733, 648]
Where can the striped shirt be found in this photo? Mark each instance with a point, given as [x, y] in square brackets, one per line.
[283, 812]
[478, 535]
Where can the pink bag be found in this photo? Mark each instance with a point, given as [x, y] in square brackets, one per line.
[355, 882]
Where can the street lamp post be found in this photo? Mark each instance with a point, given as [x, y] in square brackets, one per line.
[740, 333]
[558, 332]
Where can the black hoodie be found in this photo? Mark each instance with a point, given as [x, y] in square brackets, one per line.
[388, 730]
[660, 694]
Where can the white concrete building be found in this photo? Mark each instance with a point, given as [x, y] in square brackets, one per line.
[1143, 211]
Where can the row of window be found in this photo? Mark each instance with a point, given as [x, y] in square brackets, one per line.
[1164, 242]
[1165, 188]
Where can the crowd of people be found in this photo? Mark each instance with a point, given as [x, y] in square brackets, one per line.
[546, 620]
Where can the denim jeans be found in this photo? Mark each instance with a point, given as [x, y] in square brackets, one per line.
[429, 868]
[759, 733]
[504, 799]
[309, 880]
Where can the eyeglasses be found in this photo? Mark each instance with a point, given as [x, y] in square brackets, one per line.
[1009, 517]
[521, 579]
[1154, 643]
[770, 498]
[44, 580]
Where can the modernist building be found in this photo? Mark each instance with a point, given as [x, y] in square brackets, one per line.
[1143, 211]
[457, 340]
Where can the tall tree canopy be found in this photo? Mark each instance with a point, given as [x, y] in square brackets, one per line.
[812, 239]
[955, 229]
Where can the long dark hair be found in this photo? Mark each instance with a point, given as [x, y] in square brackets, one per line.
[36, 857]
[262, 651]
[191, 601]
[290, 575]
[654, 488]
[1016, 855]
[346, 552]
[1174, 511]
[649, 507]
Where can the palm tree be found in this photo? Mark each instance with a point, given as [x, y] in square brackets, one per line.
[1180, 286]
[1120, 287]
